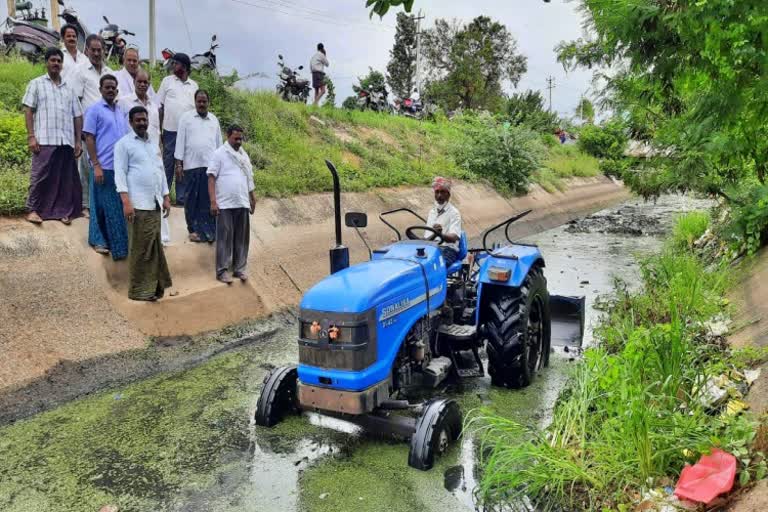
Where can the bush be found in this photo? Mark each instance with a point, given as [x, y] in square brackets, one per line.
[15, 74]
[606, 141]
[14, 184]
[13, 139]
[568, 161]
[615, 167]
[504, 155]
[748, 228]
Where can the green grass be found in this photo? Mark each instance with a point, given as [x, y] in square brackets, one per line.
[689, 228]
[630, 416]
[289, 143]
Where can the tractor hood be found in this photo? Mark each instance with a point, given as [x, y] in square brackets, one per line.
[359, 288]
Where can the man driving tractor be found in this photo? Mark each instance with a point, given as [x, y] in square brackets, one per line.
[445, 219]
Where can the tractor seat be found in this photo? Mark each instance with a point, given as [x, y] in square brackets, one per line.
[462, 254]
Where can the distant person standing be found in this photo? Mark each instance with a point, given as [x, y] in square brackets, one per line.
[85, 82]
[140, 181]
[175, 97]
[127, 76]
[54, 121]
[317, 65]
[230, 185]
[198, 138]
[72, 55]
[105, 125]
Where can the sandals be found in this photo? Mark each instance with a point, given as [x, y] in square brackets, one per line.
[101, 249]
[194, 237]
[66, 221]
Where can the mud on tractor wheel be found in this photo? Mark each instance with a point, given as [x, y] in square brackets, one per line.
[519, 332]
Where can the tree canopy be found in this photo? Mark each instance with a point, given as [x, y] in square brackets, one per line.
[401, 70]
[467, 65]
[690, 75]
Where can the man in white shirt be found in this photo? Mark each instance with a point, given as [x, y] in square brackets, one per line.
[198, 137]
[445, 219]
[317, 65]
[72, 55]
[175, 97]
[127, 76]
[231, 188]
[85, 82]
[141, 98]
[140, 181]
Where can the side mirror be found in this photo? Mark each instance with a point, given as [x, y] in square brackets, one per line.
[356, 220]
[105, 20]
[279, 56]
[214, 37]
[301, 67]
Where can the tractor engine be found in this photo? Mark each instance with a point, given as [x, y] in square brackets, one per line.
[414, 356]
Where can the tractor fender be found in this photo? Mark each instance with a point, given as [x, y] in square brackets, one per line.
[518, 259]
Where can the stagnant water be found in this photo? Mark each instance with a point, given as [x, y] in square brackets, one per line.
[185, 442]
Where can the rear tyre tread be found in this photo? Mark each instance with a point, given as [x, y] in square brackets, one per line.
[278, 396]
[506, 331]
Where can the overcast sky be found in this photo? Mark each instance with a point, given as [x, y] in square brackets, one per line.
[253, 32]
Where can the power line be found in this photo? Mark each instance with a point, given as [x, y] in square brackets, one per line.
[271, 5]
[186, 25]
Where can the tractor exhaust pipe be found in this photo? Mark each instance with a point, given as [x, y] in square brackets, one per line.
[339, 255]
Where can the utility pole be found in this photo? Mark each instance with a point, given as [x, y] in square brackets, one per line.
[55, 21]
[11, 8]
[418, 53]
[550, 86]
[152, 29]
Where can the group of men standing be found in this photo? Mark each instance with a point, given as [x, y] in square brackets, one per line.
[137, 143]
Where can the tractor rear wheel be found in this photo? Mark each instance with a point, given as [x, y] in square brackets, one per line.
[519, 332]
[279, 396]
[438, 426]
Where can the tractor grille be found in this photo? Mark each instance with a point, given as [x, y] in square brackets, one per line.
[339, 341]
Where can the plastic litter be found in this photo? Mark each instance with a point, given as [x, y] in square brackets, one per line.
[710, 477]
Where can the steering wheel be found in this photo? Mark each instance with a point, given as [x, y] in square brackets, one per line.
[436, 237]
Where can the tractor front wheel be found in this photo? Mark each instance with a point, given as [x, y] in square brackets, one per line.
[519, 332]
[279, 396]
[438, 426]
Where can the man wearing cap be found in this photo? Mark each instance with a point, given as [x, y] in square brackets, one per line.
[175, 97]
[446, 220]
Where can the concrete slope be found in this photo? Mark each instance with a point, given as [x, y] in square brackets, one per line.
[61, 303]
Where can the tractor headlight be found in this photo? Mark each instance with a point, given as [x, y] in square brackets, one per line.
[499, 274]
[315, 331]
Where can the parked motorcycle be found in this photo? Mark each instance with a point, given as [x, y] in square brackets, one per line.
[200, 61]
[375, 99]
[28, 33]
[414, 108]
[114, 44]
[292, 87]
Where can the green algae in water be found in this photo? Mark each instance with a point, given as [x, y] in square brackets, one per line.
[134, 448]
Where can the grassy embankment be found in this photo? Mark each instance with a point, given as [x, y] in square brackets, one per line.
[635, 410]
[288, 147]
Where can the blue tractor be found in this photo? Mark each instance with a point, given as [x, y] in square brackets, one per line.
[373, 333]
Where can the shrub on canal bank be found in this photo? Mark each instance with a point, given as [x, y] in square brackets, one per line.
[634, 412]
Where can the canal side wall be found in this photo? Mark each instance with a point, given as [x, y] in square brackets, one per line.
[62, 306]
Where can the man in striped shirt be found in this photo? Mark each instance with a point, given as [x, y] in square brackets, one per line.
[54, 120]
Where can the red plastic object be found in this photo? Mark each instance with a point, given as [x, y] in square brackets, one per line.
[712, 476]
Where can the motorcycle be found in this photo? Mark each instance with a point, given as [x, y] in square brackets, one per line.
[292, 88]
[114, 44]
[414, 108]
[375, 99]
[28, 33]
[200, 61]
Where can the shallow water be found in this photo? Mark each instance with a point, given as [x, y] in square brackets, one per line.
[185, 441]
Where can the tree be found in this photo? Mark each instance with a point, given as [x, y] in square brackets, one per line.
[330, 97]
[373, 81]
[401, 69]
[691, 76]
[350, 103]
[585, 111]
[468, 65]
[527, 109]
[381, 7]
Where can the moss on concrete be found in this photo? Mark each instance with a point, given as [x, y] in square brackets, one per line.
[134, 448]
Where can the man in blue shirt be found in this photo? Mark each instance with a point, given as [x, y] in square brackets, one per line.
[105, 124]
[140, 181]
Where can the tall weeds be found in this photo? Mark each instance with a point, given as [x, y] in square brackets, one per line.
[631, 412]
